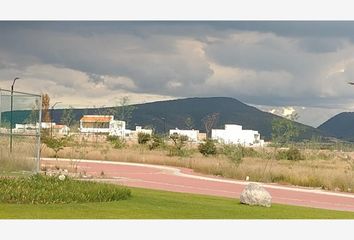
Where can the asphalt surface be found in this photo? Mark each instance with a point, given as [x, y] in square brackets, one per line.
[185, 180]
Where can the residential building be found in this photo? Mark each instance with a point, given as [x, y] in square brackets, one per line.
[117, 128]
[61, 129]
[139, 129]
[191, 134]
[96, 123]
[234, 134]
[103, 124]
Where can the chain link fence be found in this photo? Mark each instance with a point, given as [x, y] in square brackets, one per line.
[20, 128]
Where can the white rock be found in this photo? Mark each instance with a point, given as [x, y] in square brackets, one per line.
[247, 178]
[254, 194]
[62, 177]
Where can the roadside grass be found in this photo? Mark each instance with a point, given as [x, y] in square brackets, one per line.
[153, 204]
[22, 157]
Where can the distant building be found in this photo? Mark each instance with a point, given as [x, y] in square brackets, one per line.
[139, 129]
[56, 128]
[61, 129]
[234, 134]
[95, 123]
[117, 128]
[191, 134]
[103, 124]
[47, 125]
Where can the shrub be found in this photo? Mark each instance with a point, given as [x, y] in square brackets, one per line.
[156, 141]
[249, 152]
[56, 144]
[143, 138]
[208, 148]
[39, 189]
[116, 141]
[179, 142]
[233, 152]
[290, 154]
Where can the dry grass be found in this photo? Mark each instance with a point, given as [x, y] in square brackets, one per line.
[331, 170]
[22, 157]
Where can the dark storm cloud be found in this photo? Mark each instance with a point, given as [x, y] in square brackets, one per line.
[265, 63]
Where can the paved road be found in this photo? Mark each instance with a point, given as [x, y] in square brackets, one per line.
[185, 180]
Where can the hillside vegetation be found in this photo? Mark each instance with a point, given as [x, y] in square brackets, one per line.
[164, 115]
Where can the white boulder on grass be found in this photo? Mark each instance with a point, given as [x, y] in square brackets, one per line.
[62, 177]
[254, 194]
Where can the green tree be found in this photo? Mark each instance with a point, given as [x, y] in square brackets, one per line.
[208, 147]
[56, 144]
[179, 141]
[143, 138]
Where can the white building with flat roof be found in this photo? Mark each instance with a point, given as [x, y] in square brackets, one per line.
[139, 129]
[234, 134]
[102, 124]
[117, 128]
[95, 123]
[191, 134]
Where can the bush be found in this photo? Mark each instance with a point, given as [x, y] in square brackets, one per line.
[143, 138]
[290, 154]
[56, 144]
[116, 141]
[156, 141]
[208, 148]
[179, 142]
[233, 152]
[249, 152]
[39, 189]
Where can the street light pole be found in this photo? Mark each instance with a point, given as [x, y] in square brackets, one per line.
[51, 119]
[164, 125]
[11, 109]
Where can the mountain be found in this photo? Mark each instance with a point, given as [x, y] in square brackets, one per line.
[173, 114]
[340, 126]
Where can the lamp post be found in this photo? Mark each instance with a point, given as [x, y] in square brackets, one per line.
[51, 119]
[164, 125]
[11, 109]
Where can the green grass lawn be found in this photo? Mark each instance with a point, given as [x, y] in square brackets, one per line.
[151, 204]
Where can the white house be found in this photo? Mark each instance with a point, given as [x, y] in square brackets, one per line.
[95, 123]
[117, 128]
[57, 128]
[191, 134]
[234, 134]
[61, 129]
[103, 124]
[139, 129]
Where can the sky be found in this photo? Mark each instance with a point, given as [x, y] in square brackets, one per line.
[277, 66]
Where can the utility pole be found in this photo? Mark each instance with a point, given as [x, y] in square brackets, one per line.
[11, 110]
